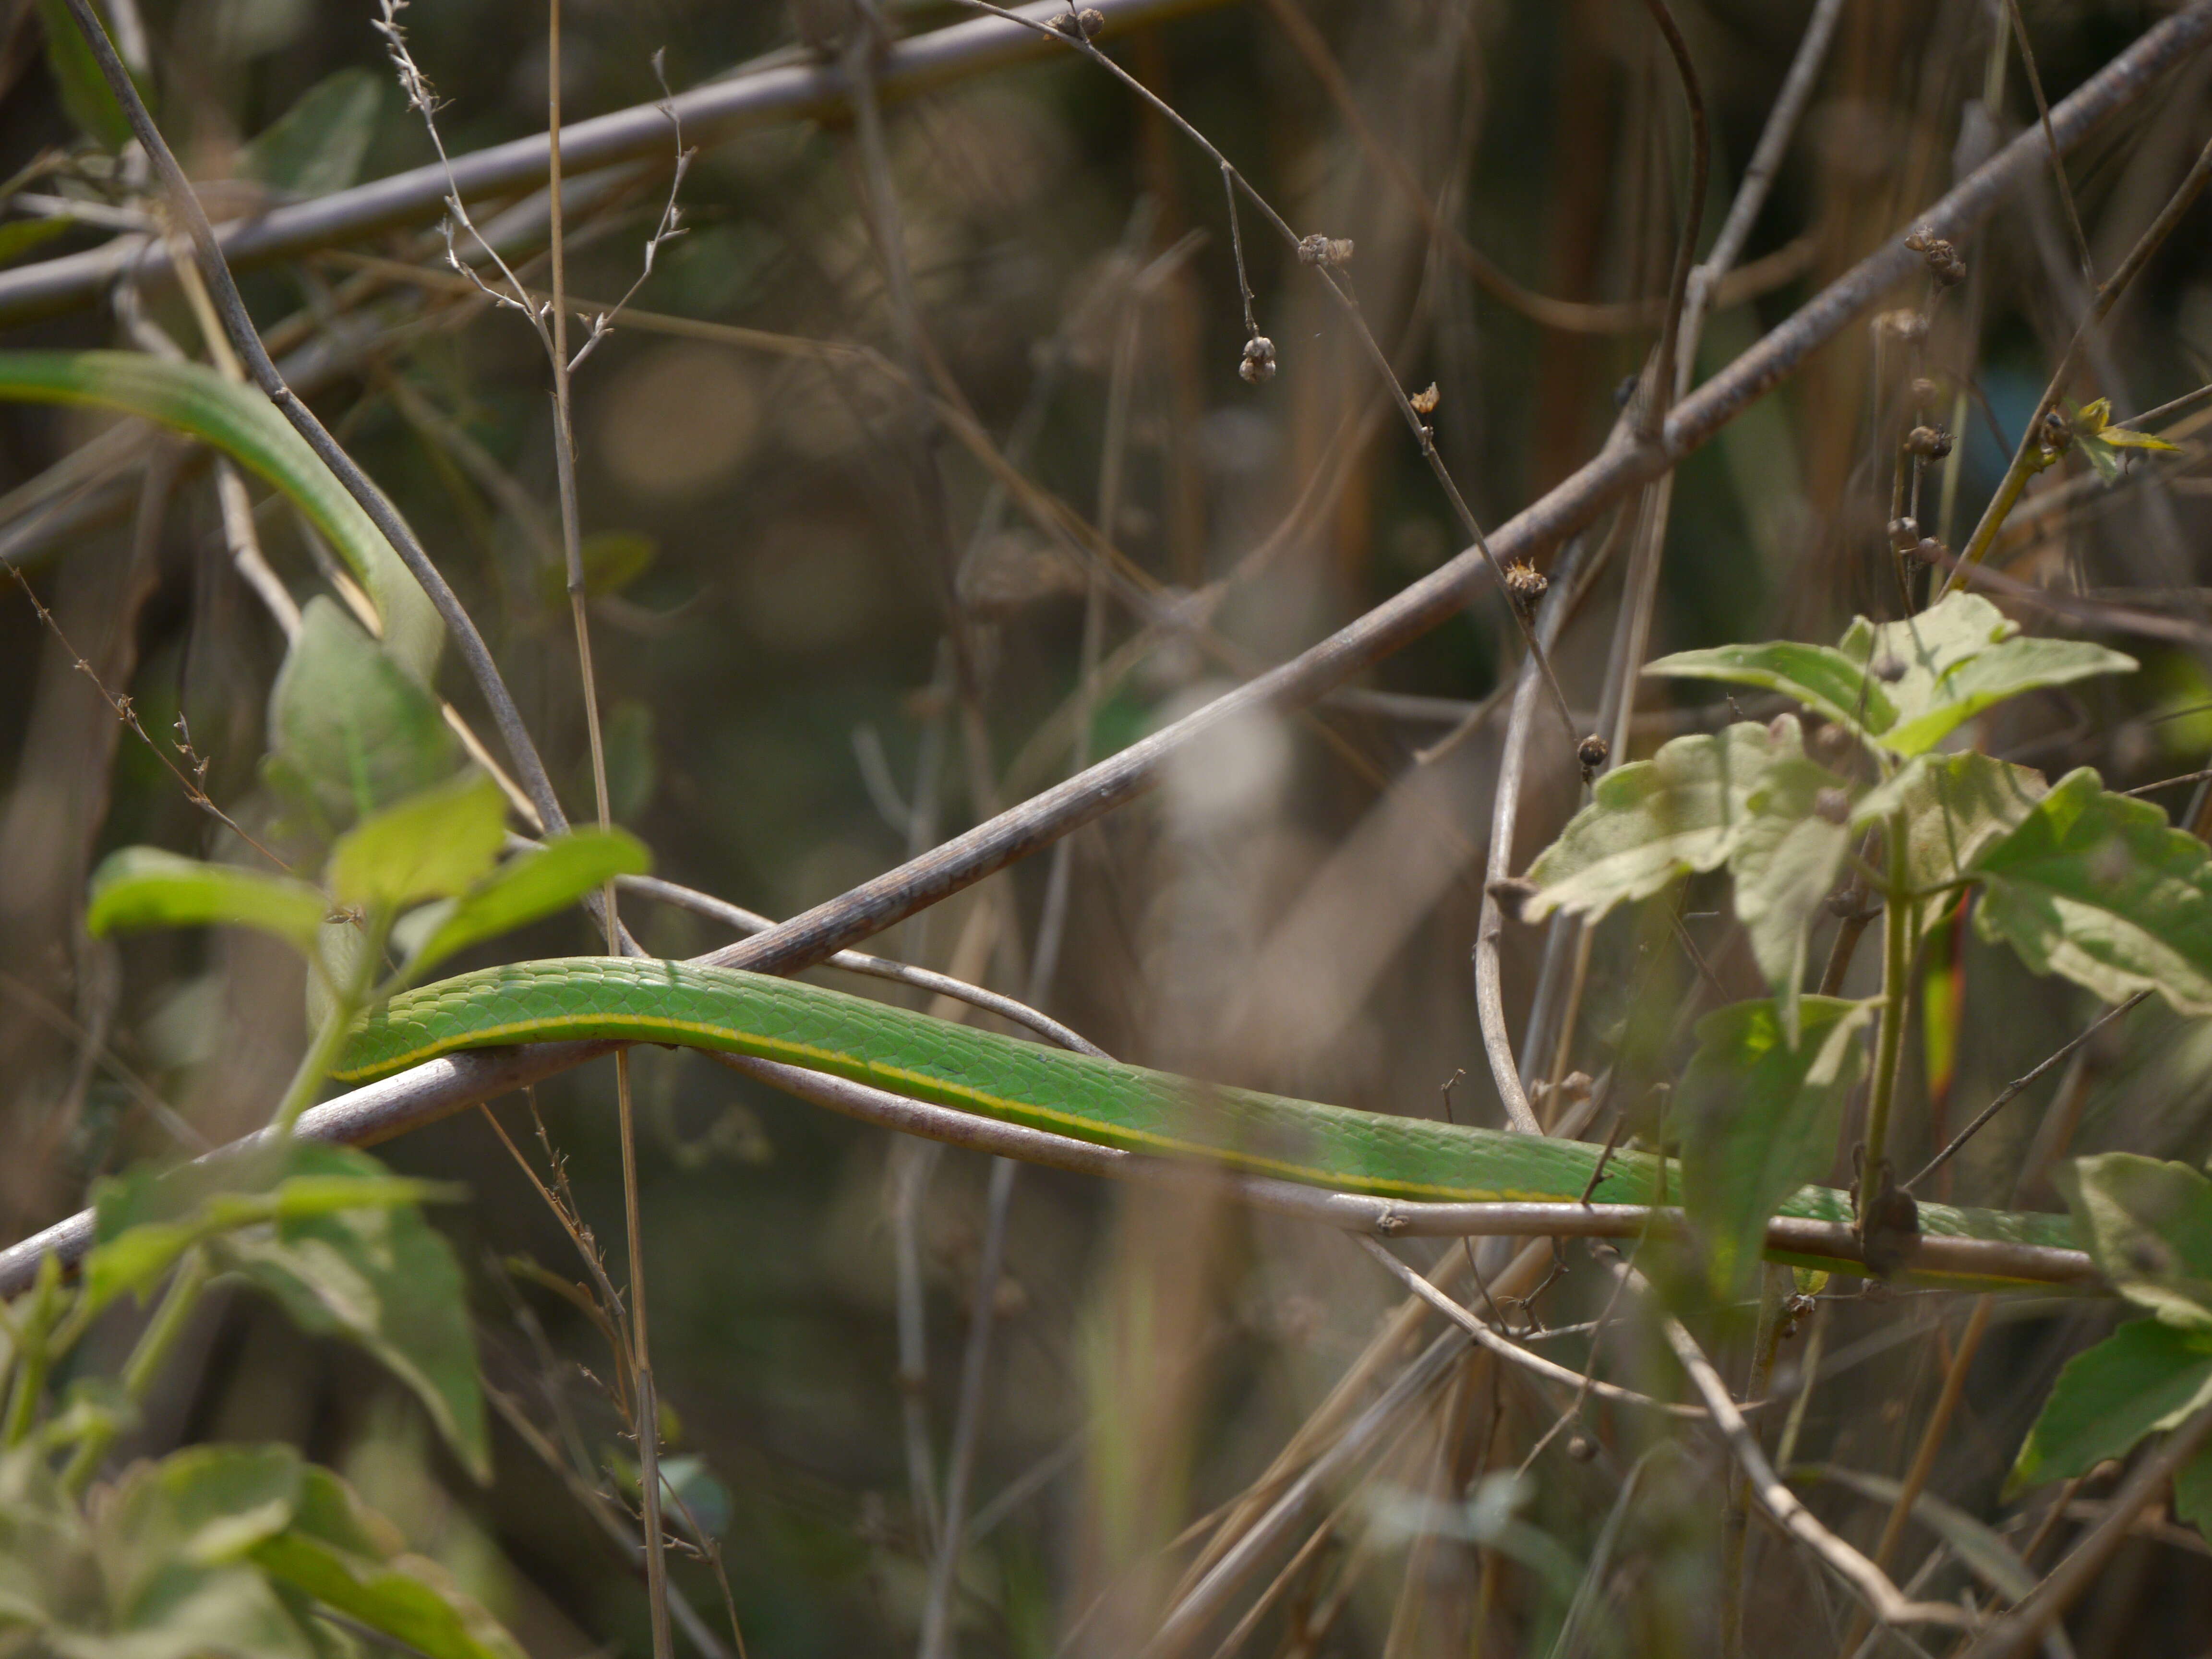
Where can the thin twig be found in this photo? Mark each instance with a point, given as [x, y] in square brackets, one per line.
[1890, 1605]
[2057, 161]
[2011, 1091]
[1660, 395]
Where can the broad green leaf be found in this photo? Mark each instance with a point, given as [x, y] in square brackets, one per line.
[85, 95]
[146, 887]
[2097, 888]
[1954, 805]
[1784, 866]
[2145, 1376]
[529, 885]
[317, 145]
[170, 1542]
[2007, 670]
[2192, 1492]
[144, 1219]
[1958, 657]
[1684, 810]
[386, 1280]
[2148, 1224]
[433, 845]
[48, 1573]
[347, 1558]
[1758, 1119]
[1824, 679]
[351, 731]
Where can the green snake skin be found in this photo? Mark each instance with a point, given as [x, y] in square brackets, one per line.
[1097, 1100]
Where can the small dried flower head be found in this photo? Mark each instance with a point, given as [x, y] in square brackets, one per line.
[1833, 805]
[1930, 442]
[1581, 1448]
[2057, 435]
[1903, 534]
[1591, 753]
[1930, 551]
[1888, 670]
[1925, 392]
[1258, 366]
[1087, 23]
[1944, 264]
[1319, 250]
[1424, 403]
[1524, 583]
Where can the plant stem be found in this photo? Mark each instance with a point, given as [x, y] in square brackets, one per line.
[1898, 915]
[153, 1346]
[347, 1000]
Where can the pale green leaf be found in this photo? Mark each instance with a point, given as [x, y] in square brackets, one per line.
[317, 145]
[1954, 805]
[1684, 810]
[529, 885]
[2097, 888]
[432, 845]
[2146, 1376]
[347, 1557]
[1956, 659]
[613, 560]
[146, 887]
[2125, 437]
[1758, 1119]
[1823, 678]
[351, 730]
[2148, 1224]
[2006, 670]
[1784, 866]
[387, 1280]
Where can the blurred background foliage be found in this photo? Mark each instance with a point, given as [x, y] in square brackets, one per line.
[825, 638]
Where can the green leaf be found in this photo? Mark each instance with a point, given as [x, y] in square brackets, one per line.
[2192, 1492]
[19, 236]
[1824, 679]
[146, 887]
[1784, 866]
[347, 1557]
[1959, 658]
[2148, 1224]
[1954, 805]
[144, 1219]
[529, 885]
[85, 95]
[385, 1279]
[2146, 1376]
[1684, 810]
[1758, 1119]
[317, 145]
[432, 845]
[2097, 888]
[351, 731]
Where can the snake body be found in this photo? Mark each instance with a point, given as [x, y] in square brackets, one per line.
[1097, 1101]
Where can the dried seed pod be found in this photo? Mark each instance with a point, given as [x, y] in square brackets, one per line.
[1581, 1448]
[1592, 753]
[1930, 442]
[1087, 23]
[1888, 670]
[1524, 583]
[1925, 392]
[1903, 534]
[1929, 551]
[1319, 250]
[1258, 365]
[1909, 326]
[1944, 264]
[1424, 403]
[1833, 805]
